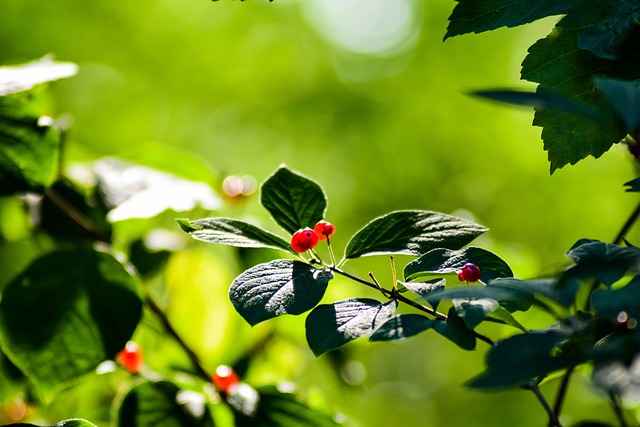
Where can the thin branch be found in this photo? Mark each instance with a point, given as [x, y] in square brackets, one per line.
[627, 226]
[617, 409]
[80, 219]
[562, 392]
[553, 419]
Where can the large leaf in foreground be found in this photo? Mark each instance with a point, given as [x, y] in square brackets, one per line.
[29, 149]
[401, 327]
[625, 98]
[412, 233]
[330, 326]
[602, 261]
[276, 288]
[232, 232]
[293, 200]
[472, 16]
[25, 76]
[68, 312]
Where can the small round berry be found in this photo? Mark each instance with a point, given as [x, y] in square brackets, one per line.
[470, 273]
[303, 240]
[131, 357]
[324, 230]
[461, 276]
[225, 378]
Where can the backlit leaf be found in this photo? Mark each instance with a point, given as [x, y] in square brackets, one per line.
[25, 76]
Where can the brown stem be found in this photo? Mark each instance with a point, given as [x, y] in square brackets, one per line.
[562, 392]
[553, 419]
[80, 219]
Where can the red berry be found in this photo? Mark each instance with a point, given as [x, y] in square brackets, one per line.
[131, 357]
[225, 378]
[324, 230]
[470, 273]
[303, 240]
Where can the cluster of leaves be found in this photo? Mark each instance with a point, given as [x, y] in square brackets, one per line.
[79, 301]
[587, 70]
[604, 333]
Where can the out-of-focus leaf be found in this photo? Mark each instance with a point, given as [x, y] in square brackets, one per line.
[634, 186]
[150, 404]
[276, 288]
[610, 303]
[470, 16]
[625, 98]
[502, 315]
[604, 262]
[25, 76]
[508, 289]
[616, 31]
[29, 149]
[474, 312]
[401, 327]
[227, 231]
[293, 200]
[282, 409]
[444, 261]
[540, 100]
[522, 358]
[75, 422]
[412, 233]
[455, 330]
[330, 326]
[65, 314]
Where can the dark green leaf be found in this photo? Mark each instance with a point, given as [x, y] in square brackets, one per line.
[540, 100]
[474, 312]
[277, 408]
[227, 231]
[502, 315]
[604, 262]
[522, 358]
[412, 233]
[25, 76]
[616, 32]
[625, 98]
[66, 313]
[276, 288]
[609, 303]
[293, 200]
[151, 404]
[442, 261]
[562, 68]
[401, 327]
[455, 330]
[330, 326]
[424, 289]
[76, 422]
[471, 16]
[513, 290]
[29, 149]
[634, 186]
[523, 290]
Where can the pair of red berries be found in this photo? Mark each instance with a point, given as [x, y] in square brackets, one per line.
[303, 240]
[469, 273]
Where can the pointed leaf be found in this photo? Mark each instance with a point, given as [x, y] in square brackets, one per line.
[25, 76]
[150, 404]
[330, 326]
[634, 186]
[401, 327]
[293, 200]
[29, 149]
[625, 98]
[456, 331]
[442, 261]
[604, 262]
[412, 233]
[502, 315]
[610, 303]
[474, 312]
[276, 288]
[471, 16]
[227, 231]
[65, 314]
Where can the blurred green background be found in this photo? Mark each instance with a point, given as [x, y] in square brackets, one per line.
[364, 97]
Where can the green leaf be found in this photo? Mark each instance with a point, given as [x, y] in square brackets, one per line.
[472, 16]
[455, 330]
[442, 261]
[604, 262]
[227, 231]
[563, 68]
[474, 312]
[25, 76]
[75, 422]
[540, 100]
[634, 186]
[29, 149]
[65, 314]
[521, 359]
[502, 315]
[276, 288]
[293, 200]
[330, 326]
[424, 289]
[150, 404]
[523, 290]
[412, 233]
[277, 408]
[615, 34]
[401, 327]
[609, 303]
[625, 98]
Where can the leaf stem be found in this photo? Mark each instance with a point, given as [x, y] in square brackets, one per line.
[617, 409]
[553, 419]
[80, 219]
[562, 392]
[627, 225]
